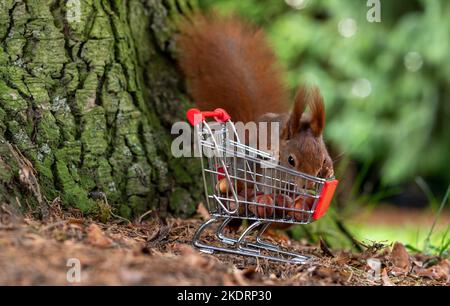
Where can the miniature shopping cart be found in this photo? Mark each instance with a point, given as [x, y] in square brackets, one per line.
[242, 182]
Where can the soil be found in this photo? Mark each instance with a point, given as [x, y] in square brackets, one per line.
[158, 251]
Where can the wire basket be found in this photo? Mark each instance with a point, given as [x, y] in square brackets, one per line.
[242, 182]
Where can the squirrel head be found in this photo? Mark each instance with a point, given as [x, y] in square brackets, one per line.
[301, 143]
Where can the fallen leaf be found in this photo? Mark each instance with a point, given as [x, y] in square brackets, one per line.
[385, 278]
[325, 272]
[203, 211]
[97, 237]
[342, 258]
[441, 271]
[400, 259]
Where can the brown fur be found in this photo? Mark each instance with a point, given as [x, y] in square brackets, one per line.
[229, 64]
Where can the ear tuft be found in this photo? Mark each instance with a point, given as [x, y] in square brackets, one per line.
[293, 125]
[317, 109]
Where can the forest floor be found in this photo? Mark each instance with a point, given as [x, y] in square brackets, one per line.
[158, 252]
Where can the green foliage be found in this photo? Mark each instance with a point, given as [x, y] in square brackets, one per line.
[386, 87]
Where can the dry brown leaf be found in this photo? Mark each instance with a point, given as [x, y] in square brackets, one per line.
[445, 264]
[97, 237]
[385, 278]
[342, 258]
[332, 274]
[203, 211]
[324, 272]
[400, 259]
[441, 271]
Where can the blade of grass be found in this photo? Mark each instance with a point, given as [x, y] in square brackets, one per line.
[412, 248]
[362, 174]
[444, 201]
[445, 243]
[427, 191]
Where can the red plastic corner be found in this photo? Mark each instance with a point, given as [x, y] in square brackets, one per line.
[325, 198]
[194, 116]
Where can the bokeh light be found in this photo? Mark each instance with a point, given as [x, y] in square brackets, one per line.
[347, 27]
[413, 61]
[362, 88]
[296, 4]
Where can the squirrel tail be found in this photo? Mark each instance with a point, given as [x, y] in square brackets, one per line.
[229, 64]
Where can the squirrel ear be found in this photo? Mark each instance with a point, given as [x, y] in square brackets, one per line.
[317, 109]
[293, 124]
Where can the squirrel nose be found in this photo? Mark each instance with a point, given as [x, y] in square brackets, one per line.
[303, 184]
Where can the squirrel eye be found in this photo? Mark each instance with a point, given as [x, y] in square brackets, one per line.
[291, 161]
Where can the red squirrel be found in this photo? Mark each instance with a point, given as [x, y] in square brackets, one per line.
[228, 64]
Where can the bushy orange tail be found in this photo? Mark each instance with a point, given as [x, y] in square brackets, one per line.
[228, 64]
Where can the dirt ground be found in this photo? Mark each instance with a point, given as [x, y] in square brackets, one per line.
[158, 252]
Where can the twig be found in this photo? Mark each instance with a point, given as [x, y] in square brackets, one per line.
[350, 277]
[120, 217]
[144, 214]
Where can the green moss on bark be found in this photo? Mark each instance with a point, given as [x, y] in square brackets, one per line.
[88, 93]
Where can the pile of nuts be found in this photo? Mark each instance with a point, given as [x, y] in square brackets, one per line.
[272, 206]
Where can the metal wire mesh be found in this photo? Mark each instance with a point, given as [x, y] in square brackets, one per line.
[246, 183]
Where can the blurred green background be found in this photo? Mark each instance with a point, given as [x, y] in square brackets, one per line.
[386, 87]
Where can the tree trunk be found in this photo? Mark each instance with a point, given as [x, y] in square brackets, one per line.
[88, 92]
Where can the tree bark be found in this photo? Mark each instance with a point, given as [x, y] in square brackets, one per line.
[88, 92]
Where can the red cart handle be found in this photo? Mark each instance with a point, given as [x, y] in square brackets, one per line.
[195, 116]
